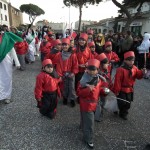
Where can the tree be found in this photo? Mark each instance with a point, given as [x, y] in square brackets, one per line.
[32, 10]
[124, 9]
[80, 4]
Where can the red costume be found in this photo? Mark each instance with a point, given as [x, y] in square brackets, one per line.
[21, 47]
[111, 56]
[123, 85]
[54, 53]
[46, 91]
[45, 48]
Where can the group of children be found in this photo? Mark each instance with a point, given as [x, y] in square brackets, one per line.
[79, 73]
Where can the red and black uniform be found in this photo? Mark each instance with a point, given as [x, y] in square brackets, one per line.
[45, 48]
[46, 90]
[124, 85]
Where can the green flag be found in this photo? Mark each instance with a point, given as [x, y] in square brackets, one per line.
[8, 41]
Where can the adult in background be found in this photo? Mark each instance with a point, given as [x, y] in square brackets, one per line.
[99, 43]
[126, 44]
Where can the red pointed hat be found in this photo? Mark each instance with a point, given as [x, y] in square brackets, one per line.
[102, 56]
[129, 54]
[84, 36]
[66, 40]
[108, 43]
[90, 31]
[56, 42]
[93, 62]
[91, 44]
[73, 35]
[46, 62]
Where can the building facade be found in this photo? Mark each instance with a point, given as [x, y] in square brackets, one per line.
[84, 23]
[141, 24]
[103, 26]
[56, 27]
[15, 16]
[4, 15]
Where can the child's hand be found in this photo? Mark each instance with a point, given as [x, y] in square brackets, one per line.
[91, 87]
[71, 75]
[144, 70]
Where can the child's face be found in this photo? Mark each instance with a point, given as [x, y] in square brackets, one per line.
[58, 47]
[65, 47]
[92, 72]
[105, 66]
[90, 36]
[109, 48]
[72, 44]
[129, 62]
[48, 68]
[82, 42]
[92, 48]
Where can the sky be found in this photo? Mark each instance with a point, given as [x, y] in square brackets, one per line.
[56, 11]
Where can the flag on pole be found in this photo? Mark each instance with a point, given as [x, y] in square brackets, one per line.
[7, 43]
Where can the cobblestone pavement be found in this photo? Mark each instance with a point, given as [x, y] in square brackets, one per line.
[23, 128]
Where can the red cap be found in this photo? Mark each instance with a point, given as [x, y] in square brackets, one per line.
[66, 40]
[93, 62]
[108, 43]
[102, 56]
[129, 54]
[91, 44]
[90, 31]
[46, 62]
[84, 36]
[50, 33]
[56, 42]
[73, 35]
[69, 37]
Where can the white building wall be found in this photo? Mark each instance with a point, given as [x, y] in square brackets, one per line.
[146, 26]
[4, 13]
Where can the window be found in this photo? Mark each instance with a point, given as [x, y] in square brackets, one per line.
[1, 17]
[99, 30]
[5, 18]
[1, 6]
[4, 7]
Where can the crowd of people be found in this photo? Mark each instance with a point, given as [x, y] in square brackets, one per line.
[76, 68]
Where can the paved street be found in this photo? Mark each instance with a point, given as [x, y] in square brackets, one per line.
[23, 128]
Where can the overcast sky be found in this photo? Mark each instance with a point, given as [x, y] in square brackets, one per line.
[56, 12]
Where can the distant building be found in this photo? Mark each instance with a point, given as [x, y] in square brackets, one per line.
[141, 24]
[56, 27]
[4, 15]
[103, 26]
[83, 24]
[15, 16]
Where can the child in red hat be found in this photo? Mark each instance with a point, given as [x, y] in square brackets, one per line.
[112, 56]
[83, 55]
[67, 68]
[54, 53]
[93, 54]
[45, 48]
[47, 89]
[124, 83]
[89, 90]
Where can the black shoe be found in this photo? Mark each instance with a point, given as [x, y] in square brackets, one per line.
[124, 117]
[147, 147]
[72, 103]
[90, 145]
[115, 112]
[65, 101]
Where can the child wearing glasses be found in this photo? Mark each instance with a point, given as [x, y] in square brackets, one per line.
[47, 89]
